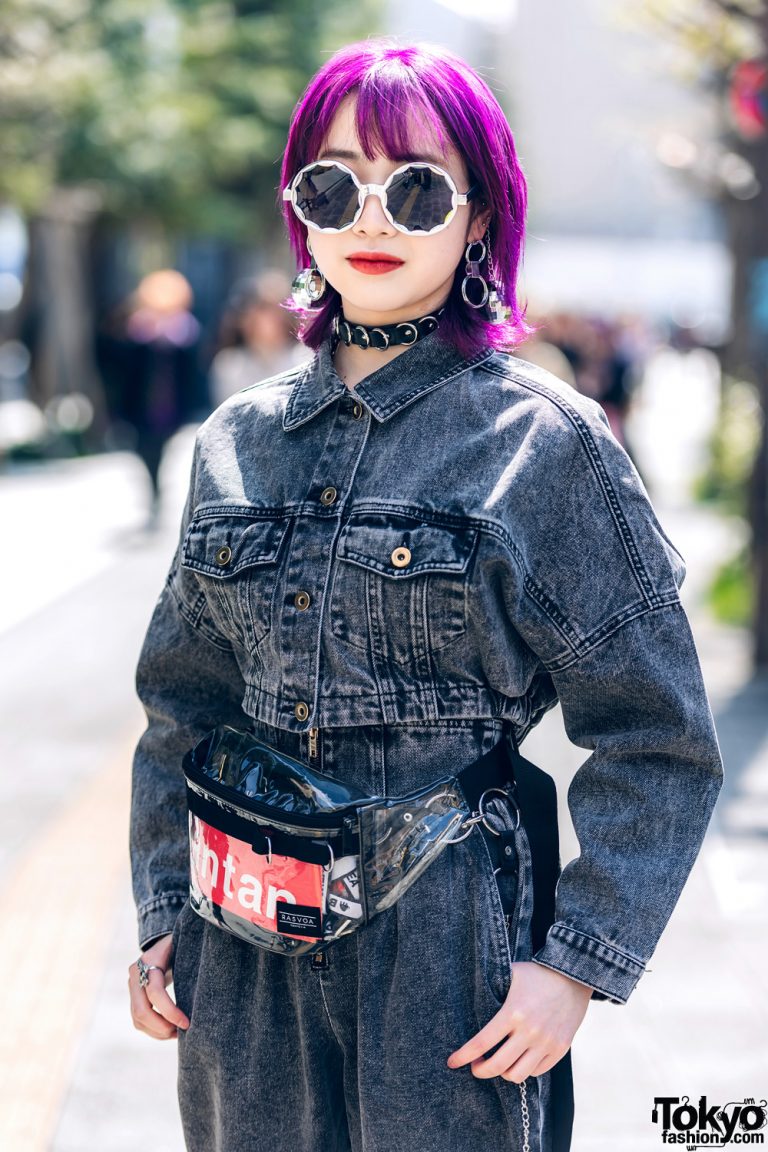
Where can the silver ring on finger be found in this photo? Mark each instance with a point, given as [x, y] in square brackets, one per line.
[144, 971]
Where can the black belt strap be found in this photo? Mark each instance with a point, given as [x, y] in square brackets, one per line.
[493, 770]
[535, 793]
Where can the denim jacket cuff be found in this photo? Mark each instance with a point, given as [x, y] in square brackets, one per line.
[158, 916]
[610, 972]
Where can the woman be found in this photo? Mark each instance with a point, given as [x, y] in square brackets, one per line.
[388, 557]
[257, 337]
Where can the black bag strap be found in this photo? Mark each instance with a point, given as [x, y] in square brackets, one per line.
[535, 793]
[495, 769]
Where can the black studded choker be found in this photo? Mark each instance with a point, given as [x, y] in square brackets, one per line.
[384, 335]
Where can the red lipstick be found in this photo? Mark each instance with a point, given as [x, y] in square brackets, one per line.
[374, 263]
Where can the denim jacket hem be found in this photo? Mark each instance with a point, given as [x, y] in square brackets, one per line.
[612, 973]
[427, 703]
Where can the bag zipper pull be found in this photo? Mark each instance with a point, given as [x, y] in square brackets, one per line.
[313, 743]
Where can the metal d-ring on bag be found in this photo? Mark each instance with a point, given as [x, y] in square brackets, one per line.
[290, 859]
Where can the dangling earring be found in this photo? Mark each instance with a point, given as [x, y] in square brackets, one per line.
[499, 312]
[473, 273]
[308, 285]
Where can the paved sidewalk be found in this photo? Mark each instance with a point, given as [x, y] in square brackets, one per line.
[78, 1078]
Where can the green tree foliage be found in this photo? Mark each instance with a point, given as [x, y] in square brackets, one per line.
[171, 110]
[712, 37]
[709, 35]
[732, 449]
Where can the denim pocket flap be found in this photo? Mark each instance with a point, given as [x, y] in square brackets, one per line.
[226, 543]
[400, 547]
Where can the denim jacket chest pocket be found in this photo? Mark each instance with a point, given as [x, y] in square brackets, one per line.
[400, 585]
[235, 556]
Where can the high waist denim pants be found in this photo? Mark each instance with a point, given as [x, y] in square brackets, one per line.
[376, 581]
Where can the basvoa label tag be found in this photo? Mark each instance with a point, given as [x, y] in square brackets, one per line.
[299, 920]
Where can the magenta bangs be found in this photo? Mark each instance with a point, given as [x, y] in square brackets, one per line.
[429, 86]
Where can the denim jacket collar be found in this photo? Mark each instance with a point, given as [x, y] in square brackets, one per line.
[428, 364]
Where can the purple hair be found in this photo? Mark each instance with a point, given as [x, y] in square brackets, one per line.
[444, 94]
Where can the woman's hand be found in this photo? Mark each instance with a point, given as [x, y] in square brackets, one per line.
[537, 1023]
[152, 1009]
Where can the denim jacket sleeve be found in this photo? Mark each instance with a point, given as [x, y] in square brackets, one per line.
[597, 600]
[188, 680]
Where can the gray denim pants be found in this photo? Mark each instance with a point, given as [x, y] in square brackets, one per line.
[348, 1050]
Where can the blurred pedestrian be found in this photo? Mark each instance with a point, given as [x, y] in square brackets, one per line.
[392, 563]
[257, 337]
[603, 373]
[149, 356]
[543, 349]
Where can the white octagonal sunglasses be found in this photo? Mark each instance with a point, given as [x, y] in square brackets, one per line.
[418, 198]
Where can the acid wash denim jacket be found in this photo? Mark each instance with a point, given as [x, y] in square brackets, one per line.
[451, 539]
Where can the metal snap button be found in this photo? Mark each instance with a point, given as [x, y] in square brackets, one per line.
[301, 710]
[357, 410]
[302, 601]
[401, 557]
[328, 495]
[223, 556]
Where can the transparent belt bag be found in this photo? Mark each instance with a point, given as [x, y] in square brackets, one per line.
[291, 859]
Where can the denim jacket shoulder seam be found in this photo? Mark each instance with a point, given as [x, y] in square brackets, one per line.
[540, 597]
[595, 459]
[498, 531]
[610, 627]
[552, 612]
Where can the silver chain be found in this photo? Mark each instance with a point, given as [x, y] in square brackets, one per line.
[526, 1118]
[491, 266]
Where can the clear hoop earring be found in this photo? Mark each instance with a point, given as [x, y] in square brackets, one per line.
[308, 286]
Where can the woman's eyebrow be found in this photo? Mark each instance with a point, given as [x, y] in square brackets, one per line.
[345, 154]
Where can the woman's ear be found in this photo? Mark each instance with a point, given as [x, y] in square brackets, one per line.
[479, 225]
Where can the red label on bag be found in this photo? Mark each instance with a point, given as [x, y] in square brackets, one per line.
[230, 874]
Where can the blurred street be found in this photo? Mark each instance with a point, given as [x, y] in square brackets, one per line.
[81, 577]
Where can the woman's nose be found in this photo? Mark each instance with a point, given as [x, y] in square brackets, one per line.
[373, 218]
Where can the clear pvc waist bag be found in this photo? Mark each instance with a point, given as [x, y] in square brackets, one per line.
[290, 859]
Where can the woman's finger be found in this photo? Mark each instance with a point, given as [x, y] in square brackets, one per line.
[549, 1060]
[503, 1058]
[144, 1017]
[531, 1063]
[162, 1002]
[497, 1028]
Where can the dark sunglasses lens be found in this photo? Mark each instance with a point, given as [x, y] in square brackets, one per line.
[420, 199]
[327, 196]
